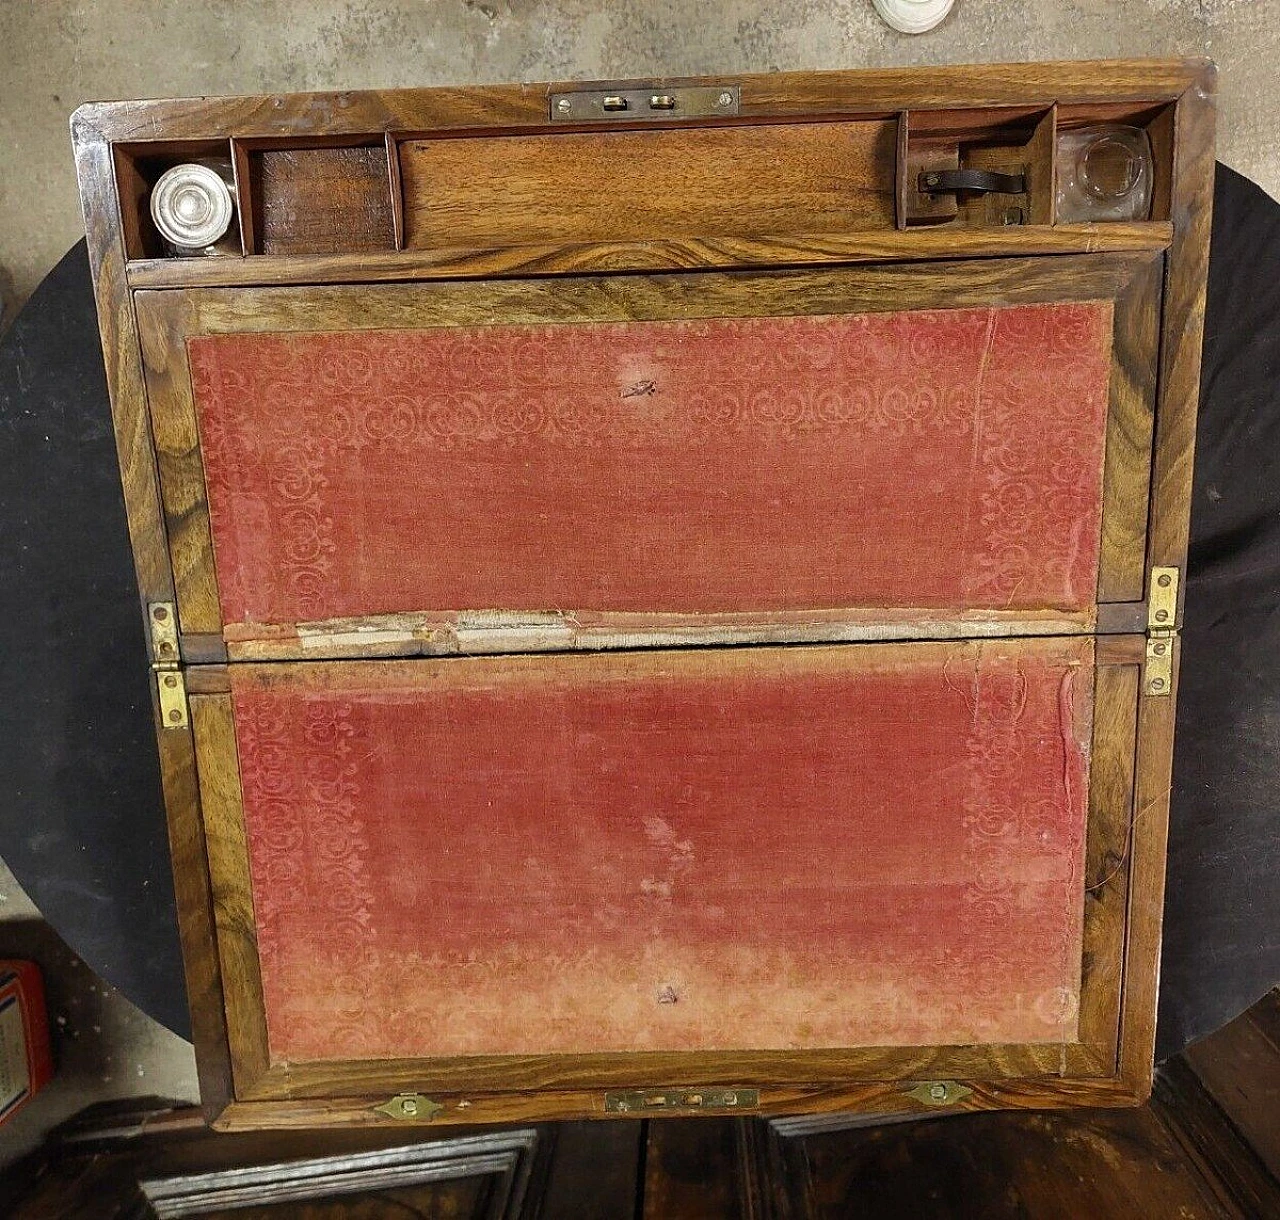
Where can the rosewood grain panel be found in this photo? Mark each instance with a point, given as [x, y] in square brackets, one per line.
[1148, 837]
[873, 1097]
[177, 451]
[125, 381]
[213, 728]
[148, 542]
[196, 924]
[712, 251]
[677, 182]
[1183, 325]
[1130, 425]
[780, 293]
[475, 1077]
[513, 106]
[1106, 879]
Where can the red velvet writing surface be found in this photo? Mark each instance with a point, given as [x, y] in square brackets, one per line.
[754, 848]
[933, 459]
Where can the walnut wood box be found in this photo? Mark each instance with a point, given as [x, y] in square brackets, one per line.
[652, 612]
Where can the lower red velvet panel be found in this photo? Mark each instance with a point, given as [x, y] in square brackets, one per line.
[745, 849]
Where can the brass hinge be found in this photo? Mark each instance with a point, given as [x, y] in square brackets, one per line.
[410, 1106]
[170, 684]
[1162, 617]
[681, 1099]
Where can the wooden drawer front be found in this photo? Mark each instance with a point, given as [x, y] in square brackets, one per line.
[877, 845]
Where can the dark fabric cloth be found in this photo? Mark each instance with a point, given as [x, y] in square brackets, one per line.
[81, 817]
[81, 814]
[1222, 909]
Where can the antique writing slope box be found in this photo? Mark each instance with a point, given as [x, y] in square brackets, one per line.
[662, 597]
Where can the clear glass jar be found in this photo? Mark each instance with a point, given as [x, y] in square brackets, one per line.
[1104, 173]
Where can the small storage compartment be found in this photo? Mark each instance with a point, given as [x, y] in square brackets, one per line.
[319, 200]
[204, 201]
[977, 167]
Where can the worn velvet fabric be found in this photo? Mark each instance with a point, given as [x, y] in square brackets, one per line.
[932, 458]
[718, 850]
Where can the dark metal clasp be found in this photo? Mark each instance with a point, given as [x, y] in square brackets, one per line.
[980, 181]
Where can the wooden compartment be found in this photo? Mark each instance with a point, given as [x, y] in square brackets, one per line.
[138, 168]
[601, 186]
[326, 199]
[1002, 140]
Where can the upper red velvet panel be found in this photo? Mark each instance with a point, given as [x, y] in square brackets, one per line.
[701, 849]
[931, 458]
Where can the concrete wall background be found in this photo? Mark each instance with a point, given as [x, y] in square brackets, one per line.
[55, 54]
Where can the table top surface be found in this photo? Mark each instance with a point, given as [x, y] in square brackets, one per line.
[82, 821]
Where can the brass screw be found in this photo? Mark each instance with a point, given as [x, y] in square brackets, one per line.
[1161, 615]
[170, 681]
[564, 105]
[725, 99]
[175, 715]
[1157, 684]
[409, 1106]
[1164, 580]
[1159, 649]
[160, 614]
[931, 179]
[938, 1092]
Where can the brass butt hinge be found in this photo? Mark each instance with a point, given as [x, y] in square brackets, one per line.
[165, 664]
[1162, 618]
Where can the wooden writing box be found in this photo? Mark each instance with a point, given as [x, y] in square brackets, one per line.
[653, 609]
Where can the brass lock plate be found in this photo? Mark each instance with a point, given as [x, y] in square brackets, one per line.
[692, 1100]
[656, 103]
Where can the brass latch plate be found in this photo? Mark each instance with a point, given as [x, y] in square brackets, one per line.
[940, 1092]
[410, 1106]
[1162, 616]
[681, 1099]
[657, 103]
